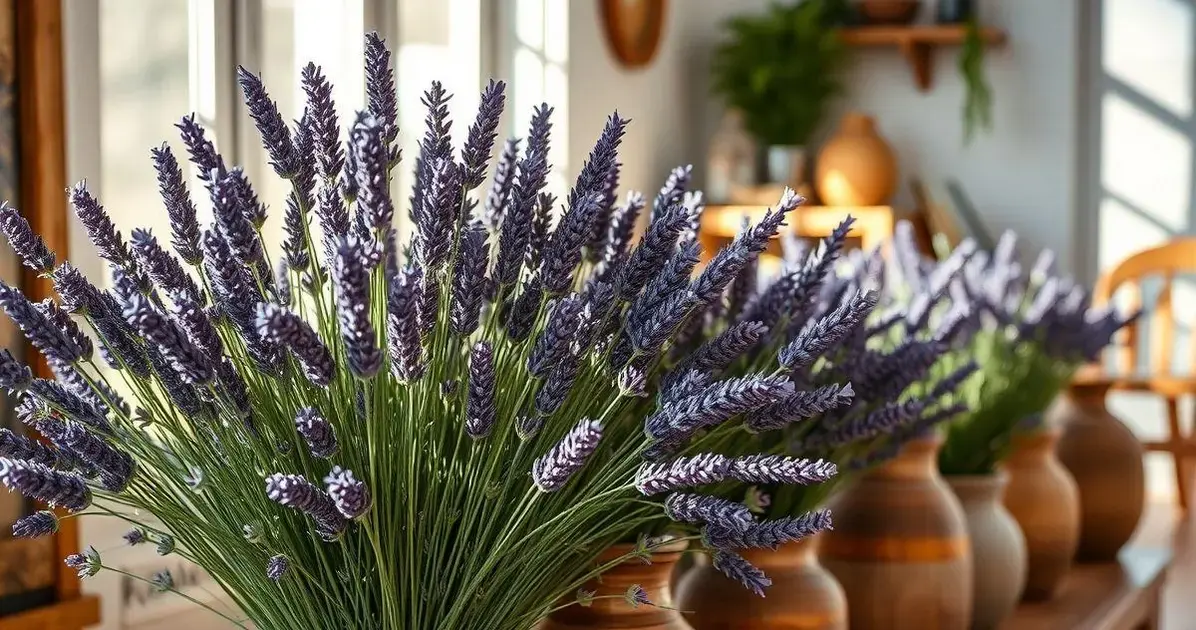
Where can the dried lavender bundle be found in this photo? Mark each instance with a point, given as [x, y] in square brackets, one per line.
[330, 435]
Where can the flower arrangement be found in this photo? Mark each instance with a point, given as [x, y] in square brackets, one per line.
[876, 375]
[444, 435]
[1032, 331]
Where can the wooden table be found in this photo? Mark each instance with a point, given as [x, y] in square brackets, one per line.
[1126, 595]
[873, 224]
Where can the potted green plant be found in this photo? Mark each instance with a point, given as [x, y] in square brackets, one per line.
[781, 68]
[978, 98]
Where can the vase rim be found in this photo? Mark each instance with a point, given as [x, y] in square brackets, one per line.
[977, 483]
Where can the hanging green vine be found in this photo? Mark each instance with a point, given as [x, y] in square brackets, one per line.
[978, 100]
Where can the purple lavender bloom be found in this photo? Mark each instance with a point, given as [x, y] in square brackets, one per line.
[636, 596]
[633, 381]
[14, 375]
[768, 534]
[800, 405]
[553, 343]
[317, 432]
[698, 509]
[673, 190]
[296, 492]
[556, 387]
[881, 421]
[827, 332]
[720, 352]
[480, 413]
[36, 525]
[683, 472]
[653, 249]
[201, 150]
[499, 195]
[166, 545]
[371, 159]
[180, 208]
[276, 138]
[743, 287]
[61, 320]
[353, 309]
[735, 567]
[779, 469]
[135, 536]
[294, 220]
[14, 446]
[352, 497]
[162, 581]
[68, 403]
[531, 173]
[671, 279]
[192, 365]
[288, 329]
[325, 128]
[47, 337]
[596, 246]
[40, 482]
[523, 312]
[814, 274]
[163, 268]
[648, 334]
[721, 402]
[115, 466]
[380, 87]
[402, 326]
[541, 224]
[438, 217]
[480, 139]
[100, 230]
[622, 224]
[469, 280]
[277, 567]
[28, 245]
[232, 210]
[554, 468]
[86, 564]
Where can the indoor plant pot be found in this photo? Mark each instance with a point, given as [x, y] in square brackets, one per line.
[900, 546]
[610, 610]
[803, 595]
[998, 548]
[1043, 499]
[785, 165]
[1105, 458]
[856, 166]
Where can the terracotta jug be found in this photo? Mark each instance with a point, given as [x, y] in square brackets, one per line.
[856, 167]
[998, 548]
[803, 595]
[1105, 458]
[900, 546]
[614, 612]
[1044, 500]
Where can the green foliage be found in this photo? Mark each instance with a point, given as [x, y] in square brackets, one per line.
[781, 68]
[978, 99]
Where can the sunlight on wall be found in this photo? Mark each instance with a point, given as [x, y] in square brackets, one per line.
[540, 74]
[1148, 46]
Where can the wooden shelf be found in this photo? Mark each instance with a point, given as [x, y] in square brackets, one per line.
[917, 43]
[73, 614]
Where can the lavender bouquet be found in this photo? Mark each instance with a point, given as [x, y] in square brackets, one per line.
[443, 435]
[874, 378]
[1031, 331]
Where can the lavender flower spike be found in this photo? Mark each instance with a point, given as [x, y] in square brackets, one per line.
[45, 336]
[184, 227]
[115, 466]
[288, 329]
[553, 470]
[276, 137]
[193, 366]
[402, 326]
[380, 86]
[480, 410]
[353, 308]
[317, 432]
[14, 375]
[768, 534]
[28, 245]
[40, 482]
[108, 242]
[735, 567]
[277, 567]
[296, 492]
[828, 332]
[352, 497]
[480, 139]
[16, 446]
[696, 508]
[681, 473]
[804, 404]
[36, 525]
[778, 469]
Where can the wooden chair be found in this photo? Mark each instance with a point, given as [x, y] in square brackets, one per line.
[1164, 263]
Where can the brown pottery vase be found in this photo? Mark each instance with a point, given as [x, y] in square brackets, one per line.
[856, 167]
[1105, 458]
[1044, 500]
[998, 548]
[803, 595]
[614, 612]
[900, 546]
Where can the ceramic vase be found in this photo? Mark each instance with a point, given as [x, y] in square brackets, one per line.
[900, 546]
[998, 548]
[856, 167]
[614, 612]
[785, 165]
[1105, 458]
[1045, 502]
[803, 595]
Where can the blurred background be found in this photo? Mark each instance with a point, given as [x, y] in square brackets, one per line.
[1070, 121]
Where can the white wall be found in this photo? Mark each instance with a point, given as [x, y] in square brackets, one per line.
[1021, 177]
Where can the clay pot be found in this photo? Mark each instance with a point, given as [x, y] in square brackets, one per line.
[900, 546]
[803, 595]
[1105, 458]
[615, 612]
[1044, 500]
[998, 548]
[856, 167]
